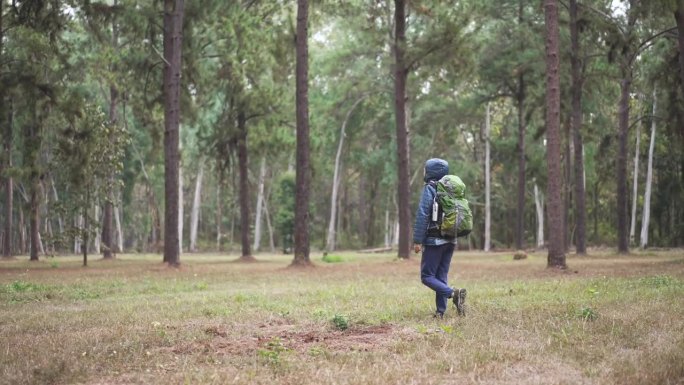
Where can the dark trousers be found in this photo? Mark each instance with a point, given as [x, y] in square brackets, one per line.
[434, 269]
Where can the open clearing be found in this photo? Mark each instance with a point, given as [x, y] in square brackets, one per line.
[367, 320]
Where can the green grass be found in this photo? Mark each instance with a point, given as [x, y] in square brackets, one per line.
[364, 320]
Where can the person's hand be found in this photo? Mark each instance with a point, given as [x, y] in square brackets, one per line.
[416, 248]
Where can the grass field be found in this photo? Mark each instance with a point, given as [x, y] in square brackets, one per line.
[365, 319]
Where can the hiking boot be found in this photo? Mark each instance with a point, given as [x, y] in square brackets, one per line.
[459, 300]
[438, 315]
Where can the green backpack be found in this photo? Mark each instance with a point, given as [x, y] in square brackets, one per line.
[457, 219]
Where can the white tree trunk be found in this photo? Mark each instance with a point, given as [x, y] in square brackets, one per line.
[635, 185]
[260, 204]
[649, 178]
[194, 214]
[119, 232]
[60, 221]
[77, 239]
[488, 217]
[388, 237]
[271, 241]
[98, 234]
[218, 216]
[539, 204]
[180, 204]
[330, 242]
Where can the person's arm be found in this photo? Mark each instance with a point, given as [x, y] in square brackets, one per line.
[423, 213]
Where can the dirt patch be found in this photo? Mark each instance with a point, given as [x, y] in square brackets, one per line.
[287, 337]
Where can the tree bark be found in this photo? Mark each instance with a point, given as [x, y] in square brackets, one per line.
[34, 219]
[6, 160]
[556, 254]
[219, 209]
[400, 77]
[181, 206]
[520, 209]
[679, 18]
[98, 239]
[623, 128]
[119, 232]
[194, 214]
[9, 183]
[626, 62]
[539, 205]
[635, 186]
[576, 90]
[243, 187]
[173, 35]
[303, 178]
[488, 207]
[271, 241]
[260, 204]
[649, 180]
[107, 228]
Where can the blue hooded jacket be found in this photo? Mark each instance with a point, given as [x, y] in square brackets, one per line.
[435, 169]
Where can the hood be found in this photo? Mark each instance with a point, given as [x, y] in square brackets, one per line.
[435, 169]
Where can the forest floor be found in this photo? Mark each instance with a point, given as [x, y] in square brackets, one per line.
[608, 319]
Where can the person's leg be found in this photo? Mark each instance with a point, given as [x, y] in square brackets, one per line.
[429, 264]
[442, 275]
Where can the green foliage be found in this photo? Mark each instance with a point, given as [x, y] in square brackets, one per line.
[340, 322]
[331, 258]
[285, 209]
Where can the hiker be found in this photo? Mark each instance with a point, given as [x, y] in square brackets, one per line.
[437, 250]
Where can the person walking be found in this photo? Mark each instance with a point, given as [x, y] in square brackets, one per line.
[436, 250]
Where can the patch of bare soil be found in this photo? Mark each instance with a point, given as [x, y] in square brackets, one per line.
[271, 336]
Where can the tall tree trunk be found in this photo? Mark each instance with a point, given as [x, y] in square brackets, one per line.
[576, 116]
[244, 187]
[303, 178]
[331, 238]
[86, 230]
[556, 255]
[649, 180]
[520, 99]
[219, 209]
[566, 194]
[539, 205]
[107, 229]
[488, 207]
[271, 241]
[520, 208]
[173, 35]
[260, 204]
[635, 186]
[119, 232]
[626, 62]
[623, 122]
[400, 77]
[181, 206]
[9, 183]
[6, 159]
[194, 214]
[679, 17]
[98, 238]
[34, 220]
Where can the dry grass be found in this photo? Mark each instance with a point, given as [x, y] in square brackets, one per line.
[366, 320]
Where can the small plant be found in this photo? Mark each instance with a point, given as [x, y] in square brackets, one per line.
[657, 281]
[340, 322]
[272, 351]
[327, 258]
[588, 314]
[54, 264]
[21, 286]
